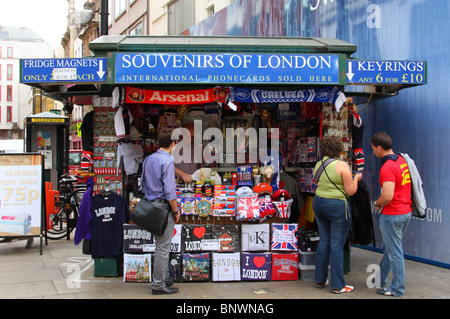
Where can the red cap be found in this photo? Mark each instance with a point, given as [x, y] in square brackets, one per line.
[263, 188]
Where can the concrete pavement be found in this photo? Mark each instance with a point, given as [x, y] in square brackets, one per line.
[63, 272]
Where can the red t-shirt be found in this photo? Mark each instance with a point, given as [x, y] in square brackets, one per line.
[397, 172]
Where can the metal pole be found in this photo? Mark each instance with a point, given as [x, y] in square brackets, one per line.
[104, 17]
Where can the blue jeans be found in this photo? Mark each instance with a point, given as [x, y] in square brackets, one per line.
[392, 228]
[333, 231]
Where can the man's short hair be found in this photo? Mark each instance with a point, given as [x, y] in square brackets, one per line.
[165, 137]
[383, 140]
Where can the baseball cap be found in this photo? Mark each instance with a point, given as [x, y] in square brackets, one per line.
[263, 188]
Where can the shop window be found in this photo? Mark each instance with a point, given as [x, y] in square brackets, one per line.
[210, 11]
[0, 114]
[9, 94]
[10, 52]
[9, 113]
[9, 71]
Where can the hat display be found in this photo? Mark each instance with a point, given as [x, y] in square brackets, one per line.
[278, 193]
[263, 188]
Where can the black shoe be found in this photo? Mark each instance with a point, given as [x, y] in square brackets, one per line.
[169, 282]
[164, 291]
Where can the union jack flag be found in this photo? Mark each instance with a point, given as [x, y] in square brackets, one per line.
[247, 208]
[283, 208]
[265, 206]
[284, 236]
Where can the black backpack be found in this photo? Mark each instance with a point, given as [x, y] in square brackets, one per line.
[308, 240]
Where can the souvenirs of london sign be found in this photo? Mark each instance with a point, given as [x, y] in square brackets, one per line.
[226, 68]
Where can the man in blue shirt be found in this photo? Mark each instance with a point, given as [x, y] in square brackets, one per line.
[159, 179]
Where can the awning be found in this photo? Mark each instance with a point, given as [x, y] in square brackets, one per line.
[176, 62]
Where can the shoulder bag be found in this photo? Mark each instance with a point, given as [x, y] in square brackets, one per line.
[149, 215]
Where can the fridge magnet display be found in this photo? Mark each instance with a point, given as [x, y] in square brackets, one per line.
[284, 266]
[256, 266]
[226, 267]
[137, 267]
[196, 267]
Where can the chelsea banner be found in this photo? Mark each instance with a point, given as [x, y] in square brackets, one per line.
[328, 95]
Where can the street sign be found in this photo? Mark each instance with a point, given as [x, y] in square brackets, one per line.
[227, 68]
[386, 72]
[85, 70]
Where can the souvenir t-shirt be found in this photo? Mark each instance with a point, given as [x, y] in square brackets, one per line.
[397, 172]
[109, 213]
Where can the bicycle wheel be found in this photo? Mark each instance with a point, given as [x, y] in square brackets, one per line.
[59, 227]
[72, 215]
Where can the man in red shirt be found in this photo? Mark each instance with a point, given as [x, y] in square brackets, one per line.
[395, 205]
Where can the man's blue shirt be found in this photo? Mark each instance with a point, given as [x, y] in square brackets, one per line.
[159, 171]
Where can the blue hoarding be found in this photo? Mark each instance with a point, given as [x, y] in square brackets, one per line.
[417, 118]
[63, 70]
[226, 68]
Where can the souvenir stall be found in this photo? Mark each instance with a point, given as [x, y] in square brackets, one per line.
[251, 209]
[259, 109]
[240, 214]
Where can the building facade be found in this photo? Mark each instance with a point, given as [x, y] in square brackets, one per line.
[17, 101]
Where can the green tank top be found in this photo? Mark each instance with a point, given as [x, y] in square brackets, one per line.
[325, 188]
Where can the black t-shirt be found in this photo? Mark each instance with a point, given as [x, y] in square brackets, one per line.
[109, 213]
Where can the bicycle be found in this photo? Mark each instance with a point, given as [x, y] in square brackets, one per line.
[65, 220]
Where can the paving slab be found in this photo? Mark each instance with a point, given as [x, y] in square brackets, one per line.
[62, 271]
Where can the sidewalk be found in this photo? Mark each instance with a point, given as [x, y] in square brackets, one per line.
[24, 273]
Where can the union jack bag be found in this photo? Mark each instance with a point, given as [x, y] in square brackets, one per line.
[284, 236]
[247, 208]
[283, 209]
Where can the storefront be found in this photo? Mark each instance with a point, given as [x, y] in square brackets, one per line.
[258, 106]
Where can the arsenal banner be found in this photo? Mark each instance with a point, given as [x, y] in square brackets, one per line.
[134, 95]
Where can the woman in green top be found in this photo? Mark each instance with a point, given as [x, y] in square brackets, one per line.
[332, 213]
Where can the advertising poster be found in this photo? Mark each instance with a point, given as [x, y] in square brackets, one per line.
[20, 195]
